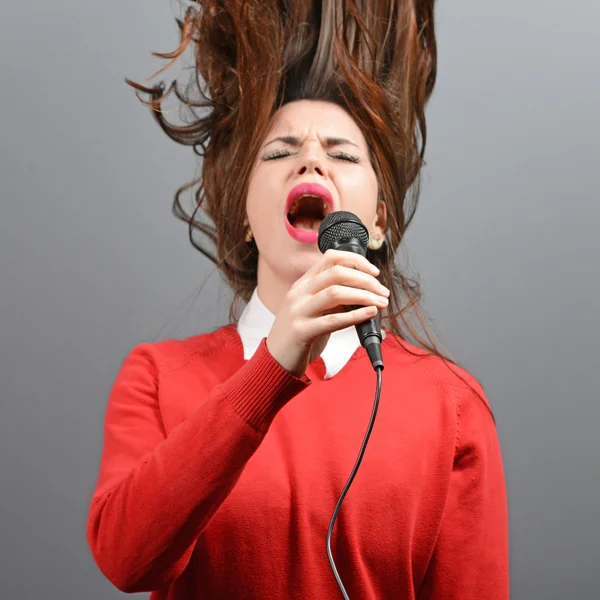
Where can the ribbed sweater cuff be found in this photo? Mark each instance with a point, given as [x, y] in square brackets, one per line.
[261, 388]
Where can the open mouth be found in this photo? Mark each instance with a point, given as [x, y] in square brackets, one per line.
[307, 212]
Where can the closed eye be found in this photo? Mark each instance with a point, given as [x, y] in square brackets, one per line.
[341, 155]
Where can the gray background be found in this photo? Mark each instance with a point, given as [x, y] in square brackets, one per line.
[92, 262]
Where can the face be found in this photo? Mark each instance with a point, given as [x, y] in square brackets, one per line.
[342, 167]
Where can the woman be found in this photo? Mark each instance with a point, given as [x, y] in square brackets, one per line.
[225, 453]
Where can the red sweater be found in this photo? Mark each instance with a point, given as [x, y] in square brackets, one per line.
[219, 477]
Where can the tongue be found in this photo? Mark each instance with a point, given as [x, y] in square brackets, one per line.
[307, 223]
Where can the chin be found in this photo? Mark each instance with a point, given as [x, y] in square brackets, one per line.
[297, 263]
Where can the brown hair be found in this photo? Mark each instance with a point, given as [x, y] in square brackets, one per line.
[376, 59]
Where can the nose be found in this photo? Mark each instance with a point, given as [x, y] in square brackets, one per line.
[312, 162]
[312, 165]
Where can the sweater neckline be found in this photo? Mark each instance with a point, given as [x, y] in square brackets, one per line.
[231, 336]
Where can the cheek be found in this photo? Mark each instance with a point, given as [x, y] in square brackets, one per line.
[263, 200]
[359, 191]
[359, 176]
[255, 192]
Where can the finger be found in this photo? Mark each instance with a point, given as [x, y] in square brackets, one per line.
[342, 257]
[340, 320]
[342, 275]
[351, 260]
[341, 295]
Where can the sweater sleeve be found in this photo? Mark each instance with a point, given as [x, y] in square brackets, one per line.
[470, 560]
[156, 493]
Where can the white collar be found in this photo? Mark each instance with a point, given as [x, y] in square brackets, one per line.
[255, 324]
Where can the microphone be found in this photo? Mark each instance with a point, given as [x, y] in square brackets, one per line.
[343, 230]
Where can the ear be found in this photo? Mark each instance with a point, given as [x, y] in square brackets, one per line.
[379, 224]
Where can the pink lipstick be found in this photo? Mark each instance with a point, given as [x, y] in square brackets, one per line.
[313, 189]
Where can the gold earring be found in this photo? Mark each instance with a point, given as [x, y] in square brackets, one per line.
[248, 237]
[375, 242]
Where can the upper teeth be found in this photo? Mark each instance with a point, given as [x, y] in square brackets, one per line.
[296, 204]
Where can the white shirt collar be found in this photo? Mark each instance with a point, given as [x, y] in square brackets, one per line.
[256, 321]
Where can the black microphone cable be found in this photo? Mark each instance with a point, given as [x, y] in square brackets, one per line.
[347, 486]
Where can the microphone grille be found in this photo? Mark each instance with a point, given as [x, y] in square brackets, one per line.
[340, 225]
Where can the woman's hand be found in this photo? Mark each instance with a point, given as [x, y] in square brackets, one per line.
[314, 307]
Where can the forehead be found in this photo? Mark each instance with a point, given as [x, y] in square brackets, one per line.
[315, 117]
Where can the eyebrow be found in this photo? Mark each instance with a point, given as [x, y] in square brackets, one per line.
[294, 141]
